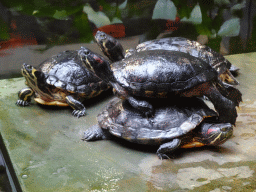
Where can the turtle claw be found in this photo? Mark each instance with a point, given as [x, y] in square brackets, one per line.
[162, 156]
[143, 106]
[79, 113]
[22, 103]
[93, 133]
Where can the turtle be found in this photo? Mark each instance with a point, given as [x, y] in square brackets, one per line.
[115, 52]
[61, 80]
[162, 74]
[187, 124]
[112, 48]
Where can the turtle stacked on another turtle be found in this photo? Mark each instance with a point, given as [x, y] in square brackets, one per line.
[62, 80]
[161, 73]
[115, 52]
[143, 76]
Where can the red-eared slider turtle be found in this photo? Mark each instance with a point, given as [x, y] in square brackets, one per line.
[62, 80]
[115, 52]
[174, 125]
[161, 73]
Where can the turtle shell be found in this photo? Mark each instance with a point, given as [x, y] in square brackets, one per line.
[150, 73]
[171, 120]
[193, 48]
[67, 72]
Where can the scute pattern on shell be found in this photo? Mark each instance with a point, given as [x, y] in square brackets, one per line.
[66, 71]
[159, 71]
[126, 122]
[187, 46]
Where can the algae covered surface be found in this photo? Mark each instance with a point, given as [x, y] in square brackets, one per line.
[45, 147]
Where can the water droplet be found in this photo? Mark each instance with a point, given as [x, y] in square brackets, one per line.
[24, 176]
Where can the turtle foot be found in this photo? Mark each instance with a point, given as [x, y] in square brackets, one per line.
[79, 113]
[227, 112]
[168, 148]
[230, 118]
[22, 103]
[143, 106]
[94, 133]
[162, 156]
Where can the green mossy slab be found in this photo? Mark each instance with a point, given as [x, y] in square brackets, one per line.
[45, 147]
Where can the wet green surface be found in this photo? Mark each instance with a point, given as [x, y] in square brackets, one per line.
[45, 147]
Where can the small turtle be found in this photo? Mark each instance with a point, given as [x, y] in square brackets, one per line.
[115, 52]
[159, 74]
[175, 125]
[62, 80]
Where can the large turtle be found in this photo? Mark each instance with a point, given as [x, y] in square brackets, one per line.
[112, 48]
[174, 125]
[62, 80]
[159, 74]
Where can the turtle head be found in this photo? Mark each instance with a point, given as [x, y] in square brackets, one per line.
[216, 134]
[32, 75]
[105, 41]
[95, 63]
[109, 46]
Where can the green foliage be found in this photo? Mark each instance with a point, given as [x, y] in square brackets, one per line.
[164, 9]
[230, 28]
[214, 18]
[4, 31]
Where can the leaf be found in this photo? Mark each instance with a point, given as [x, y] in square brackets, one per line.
[116, 20]
[123, 5]
[60, 14]
[164, 9]
[82, 25]
[221, 2]
[98, 18]
[184, 8]
[4, 35]
[195, 16]
[230, 28]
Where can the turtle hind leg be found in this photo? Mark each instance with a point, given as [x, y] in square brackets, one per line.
[229, 92]
[228, 78]
[168, 148]
[24, 97]
[233, 94]
[225, 107]
[95, 133]
[79, 109]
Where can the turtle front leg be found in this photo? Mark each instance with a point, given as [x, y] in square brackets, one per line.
[24, 97]
[95, 133]
[79, 108]
[143, 106]
[167, 148]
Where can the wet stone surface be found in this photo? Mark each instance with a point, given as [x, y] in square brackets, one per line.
[47, 153]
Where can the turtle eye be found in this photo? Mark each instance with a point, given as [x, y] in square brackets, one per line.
[103, 36]
[224, 129]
